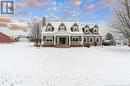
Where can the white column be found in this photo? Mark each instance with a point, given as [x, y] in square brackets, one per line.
[42, 40]
[69, 40]
[82, 40]
[54, 40]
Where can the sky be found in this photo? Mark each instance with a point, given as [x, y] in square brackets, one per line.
[86, 11]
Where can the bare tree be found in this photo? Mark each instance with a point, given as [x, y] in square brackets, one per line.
[121, 18]
[35, 34]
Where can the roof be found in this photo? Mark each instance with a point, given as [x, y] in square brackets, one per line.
[57, 23]
[89, 25]
[6, 30]
[4, 38]
[68, 24]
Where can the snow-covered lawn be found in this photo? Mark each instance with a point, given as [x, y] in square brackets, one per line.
[21, 64]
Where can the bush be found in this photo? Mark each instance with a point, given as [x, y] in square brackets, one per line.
[95, 43]
[88, 45]
[106, 44]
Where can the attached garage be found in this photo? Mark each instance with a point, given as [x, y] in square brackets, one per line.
[5, 38]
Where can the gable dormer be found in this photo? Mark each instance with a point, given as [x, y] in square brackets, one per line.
[95, 29]
[62, 27]
[86, 29]
[75, 28]
[49, 28]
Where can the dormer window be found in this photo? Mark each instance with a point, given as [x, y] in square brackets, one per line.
[62, 27]
[49, 28]
[95, 29]
[75, 28]
[86, 29]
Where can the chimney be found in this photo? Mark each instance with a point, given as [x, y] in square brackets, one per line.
[43, 21]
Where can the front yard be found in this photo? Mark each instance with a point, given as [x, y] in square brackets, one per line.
[21, 64]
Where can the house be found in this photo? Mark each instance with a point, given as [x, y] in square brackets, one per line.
[4, 38]
[68, 33]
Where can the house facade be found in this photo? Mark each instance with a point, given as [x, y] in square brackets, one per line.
[69, 34]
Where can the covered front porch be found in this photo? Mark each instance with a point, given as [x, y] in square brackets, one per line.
[62, 41]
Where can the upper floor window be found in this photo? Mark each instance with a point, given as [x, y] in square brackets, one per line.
[62, 27]
[49, 28]
[75, 28]
[95, 30]
[86, 29]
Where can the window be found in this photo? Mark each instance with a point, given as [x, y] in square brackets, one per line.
[85, 39]
[86, 30]
[91, 40]
[75, 39]
[48, 40]
[95, 30]
[75, 28]
[62, 27]
[97, 39]
[49, 28]
[44, 38]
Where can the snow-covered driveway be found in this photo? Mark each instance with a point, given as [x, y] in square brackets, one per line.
[24, 65]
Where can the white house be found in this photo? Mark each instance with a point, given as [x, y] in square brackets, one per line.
[69, 33]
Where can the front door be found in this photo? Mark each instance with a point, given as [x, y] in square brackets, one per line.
[62, 40]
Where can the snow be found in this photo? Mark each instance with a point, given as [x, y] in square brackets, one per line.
[21, 64]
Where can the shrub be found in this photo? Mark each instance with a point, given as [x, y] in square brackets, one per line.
[95, 43]
[88, 45]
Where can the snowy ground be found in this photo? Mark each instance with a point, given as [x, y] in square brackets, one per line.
[24, 65]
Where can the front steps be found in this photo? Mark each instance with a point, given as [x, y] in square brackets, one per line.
[62, 46]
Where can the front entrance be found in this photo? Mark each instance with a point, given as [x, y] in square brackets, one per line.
[62, 40]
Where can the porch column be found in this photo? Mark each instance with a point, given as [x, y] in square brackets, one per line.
[54, 40]
[69, 40]
[82, 40]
